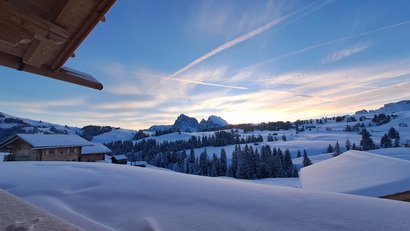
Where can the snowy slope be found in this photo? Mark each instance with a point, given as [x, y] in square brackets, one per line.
[41, 125]
[103, 197]
[360, 173]
[114, 135]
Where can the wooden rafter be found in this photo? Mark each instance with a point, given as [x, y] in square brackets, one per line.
[38, 36]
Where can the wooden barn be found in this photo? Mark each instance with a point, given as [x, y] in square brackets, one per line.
[93, 153]
[119, 159]
[39, 36]
[42, 147]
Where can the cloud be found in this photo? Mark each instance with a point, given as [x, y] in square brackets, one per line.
[341, 54]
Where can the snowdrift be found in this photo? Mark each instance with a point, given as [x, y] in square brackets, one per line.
[360, 173]
[99, 196]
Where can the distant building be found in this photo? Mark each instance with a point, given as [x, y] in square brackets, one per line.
[51, 147]
[94, 153]
[119, 159]
[140, 164]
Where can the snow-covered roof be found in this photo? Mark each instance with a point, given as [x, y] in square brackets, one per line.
[360, 173]
[95, 148]
[120, 157]
[38, 141]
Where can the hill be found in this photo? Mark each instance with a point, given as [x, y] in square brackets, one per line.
[106, 197]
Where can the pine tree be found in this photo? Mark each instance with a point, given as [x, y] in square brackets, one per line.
[243, 171]
[397, 140]
[288, 164]
[306, 160]
[366, 142]
[191, 161]
[224, 163]
[214, 166]
[330, 149]
[348, 145]
[203, 163]
[298, 154]
[284, 137]
[392, 133]
[234, 165]
[265, 166]
[354, 146]
[253, 164]
[385, 142]
[337, 149]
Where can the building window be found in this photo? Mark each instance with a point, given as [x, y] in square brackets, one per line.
[51, 151]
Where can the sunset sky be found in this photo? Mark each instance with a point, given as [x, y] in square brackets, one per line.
[246, 61]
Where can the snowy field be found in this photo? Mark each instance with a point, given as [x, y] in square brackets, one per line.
[98, 196]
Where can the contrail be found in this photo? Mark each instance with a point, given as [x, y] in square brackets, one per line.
[203, 83]
[298, 13]
[333, 41]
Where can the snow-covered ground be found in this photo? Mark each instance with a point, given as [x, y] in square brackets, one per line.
[98, 196]
[360, 173]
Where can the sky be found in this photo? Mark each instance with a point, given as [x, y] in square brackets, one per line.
[247, 61]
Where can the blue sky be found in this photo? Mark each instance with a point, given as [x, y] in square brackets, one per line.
[246, 61]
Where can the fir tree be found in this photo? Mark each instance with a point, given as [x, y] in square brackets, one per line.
[392, 133]
[298, 154]
[288, 164]
[191, 162]
[243, 171]
[366, 142]
[337, 149]
[265, 162]
[348, 145]
[385, 142]
[330, 149]
[306, 160]
[203, 163]
[224, 163]
[397, 140]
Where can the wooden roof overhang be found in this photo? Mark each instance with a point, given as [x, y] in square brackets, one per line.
[39, 36]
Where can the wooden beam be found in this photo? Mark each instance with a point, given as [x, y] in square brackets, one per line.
[95, 16]
[30, 21]
[38, 51]
[63, 74]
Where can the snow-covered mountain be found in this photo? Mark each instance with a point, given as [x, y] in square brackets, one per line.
[213, 122]
[185, 123]
[388, 108]
[403, 105]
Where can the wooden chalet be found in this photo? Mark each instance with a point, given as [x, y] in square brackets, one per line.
[41, 147]
[39, 36]
[93, 153]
